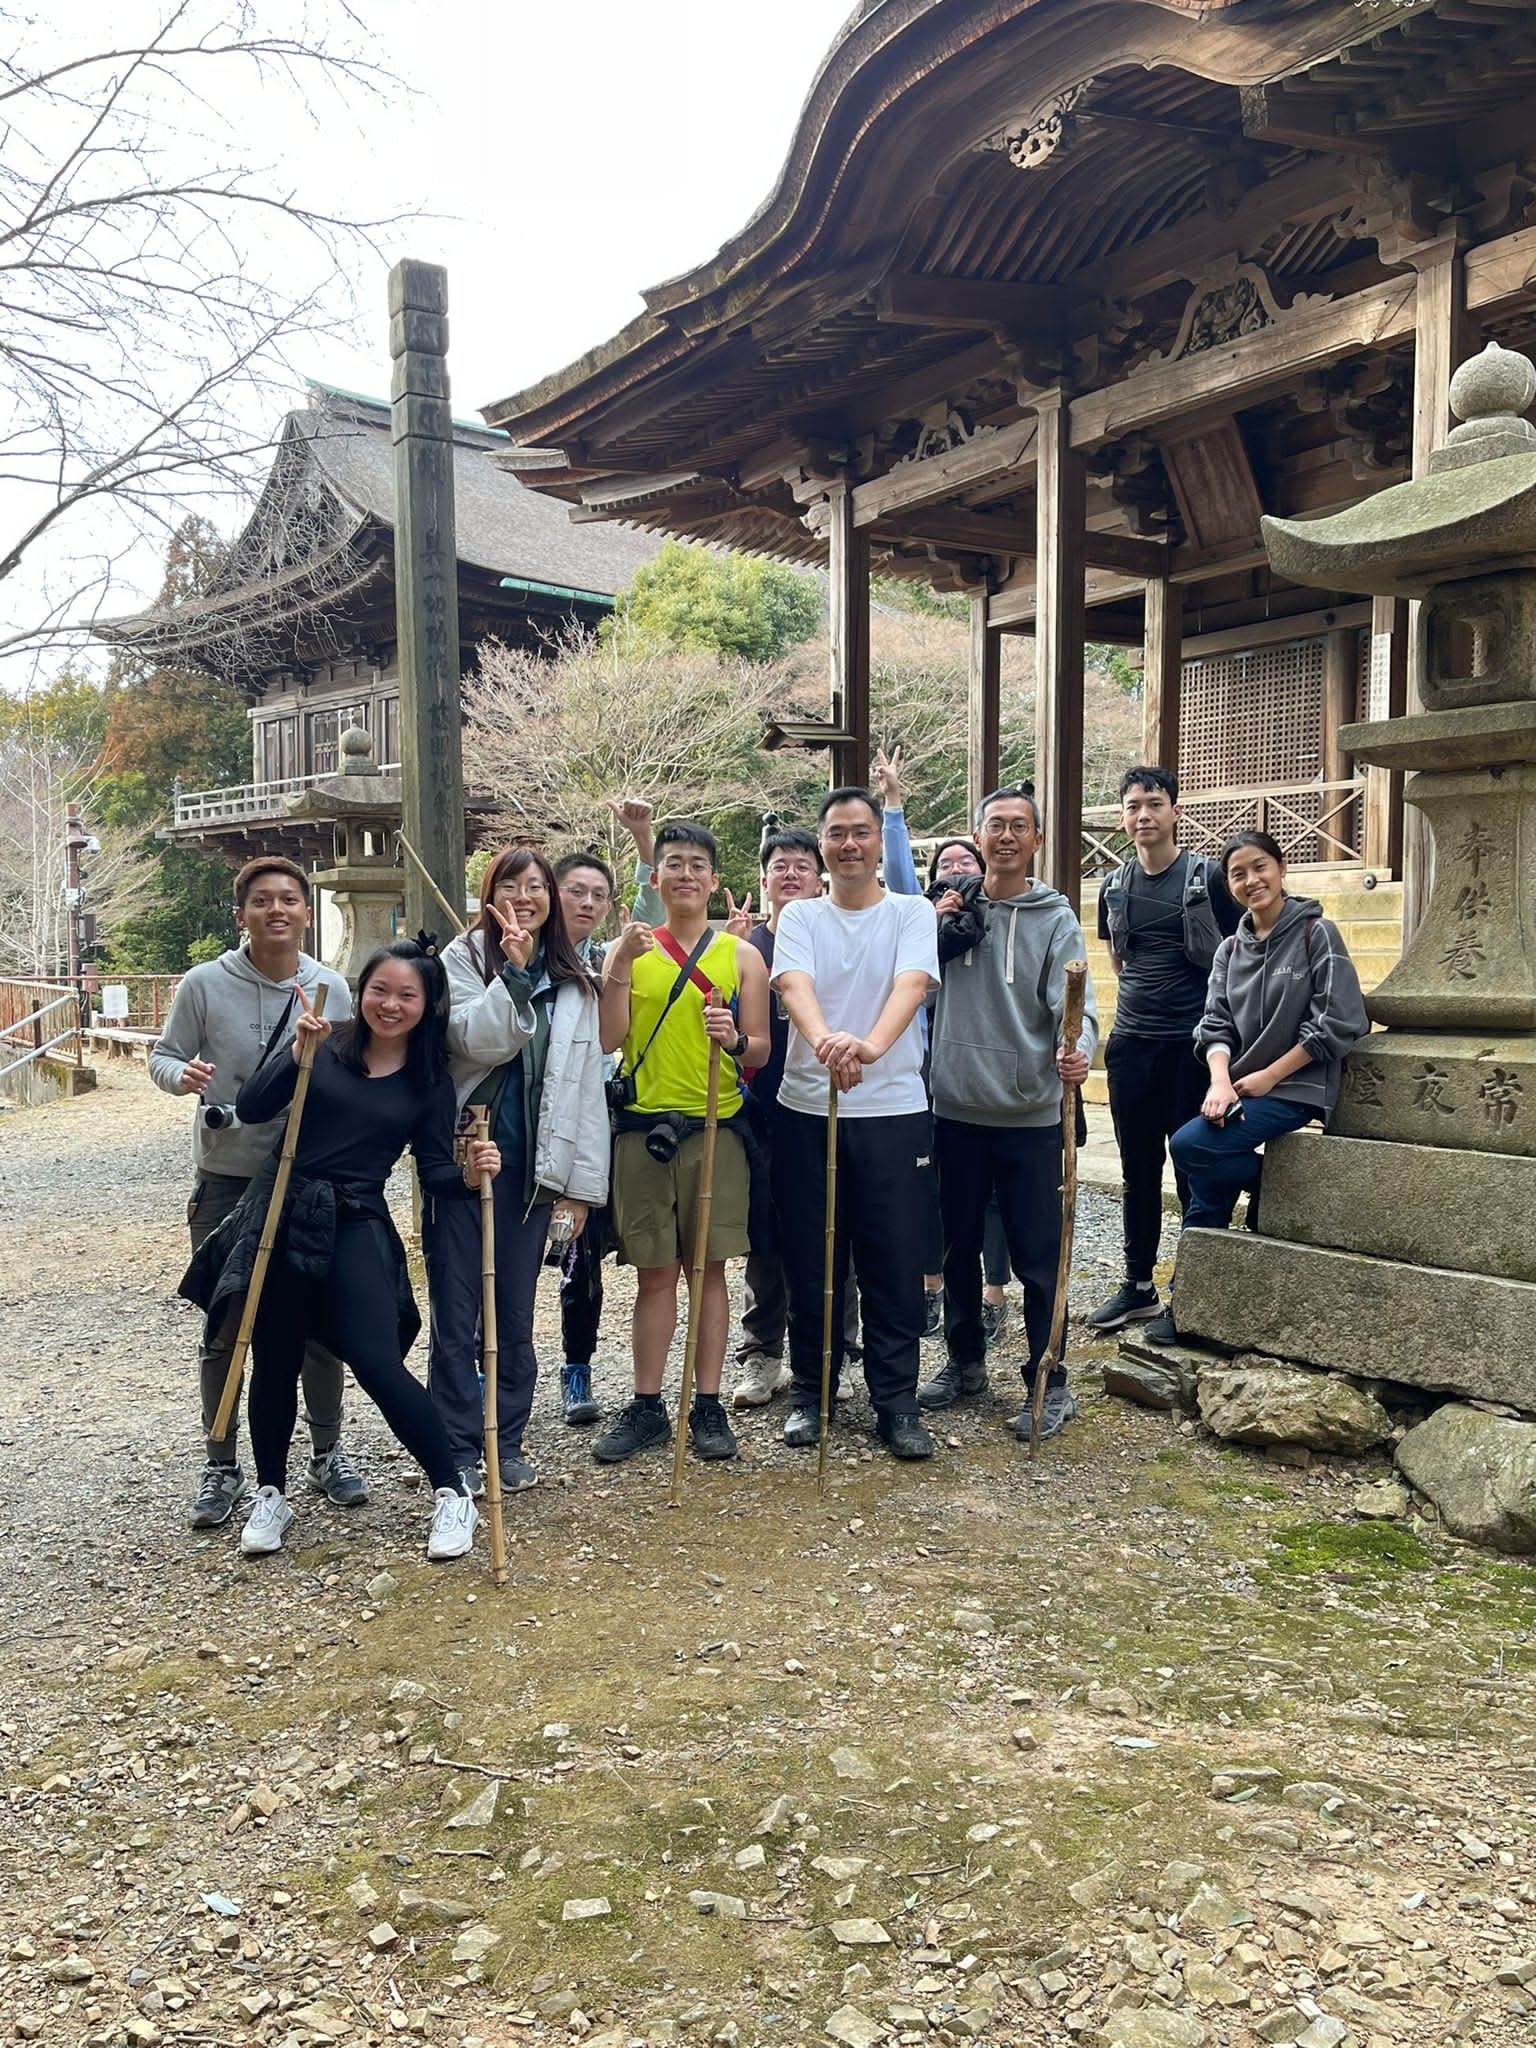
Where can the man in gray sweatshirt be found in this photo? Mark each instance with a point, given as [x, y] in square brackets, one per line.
[996, 1074]
[230, 1015]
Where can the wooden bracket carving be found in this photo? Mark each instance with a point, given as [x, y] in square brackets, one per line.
[1045, 136]
[1233, 300]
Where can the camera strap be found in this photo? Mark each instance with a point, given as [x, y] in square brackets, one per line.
[277, 1031]
[684, 976]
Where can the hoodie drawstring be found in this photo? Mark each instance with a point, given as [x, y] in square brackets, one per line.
[1013, 922]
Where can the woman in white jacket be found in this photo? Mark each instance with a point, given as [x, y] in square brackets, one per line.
[523, 1041]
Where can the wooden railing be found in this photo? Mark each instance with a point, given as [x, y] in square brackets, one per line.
[1315, 823]
[37, 1017]
[149, 1000]
[247, 799]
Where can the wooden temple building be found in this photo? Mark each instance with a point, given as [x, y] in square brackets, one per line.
[301, 618]
[1051, 300]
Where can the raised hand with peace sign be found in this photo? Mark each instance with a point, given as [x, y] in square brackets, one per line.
[517, 940]
[738, 916]
[888, 777]
[309, 1027]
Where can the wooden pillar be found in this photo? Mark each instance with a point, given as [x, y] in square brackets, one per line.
[983, 769]
[848, 579]
[1439, 342]
[1162, 674]
[1061, 508]
[1386, 697]
[1341, 693]
[426, 589]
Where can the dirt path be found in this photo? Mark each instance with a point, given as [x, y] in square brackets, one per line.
[1151, 1744]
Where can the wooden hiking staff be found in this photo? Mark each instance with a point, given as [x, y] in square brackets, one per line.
[700, 1259]
[488, 1350]
[274, 1216]
[828, 1277]
[454, 917]
[1071, 1030]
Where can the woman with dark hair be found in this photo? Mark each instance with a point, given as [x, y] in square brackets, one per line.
[1283, 1010]
[523, 1041]
[338, 1270]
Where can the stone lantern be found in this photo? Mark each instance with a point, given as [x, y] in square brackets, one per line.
[362, 806]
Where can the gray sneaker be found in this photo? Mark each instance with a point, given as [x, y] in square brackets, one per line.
[951, 1383]
[1056, 1411]
[472, 1479]
[338, 1478]
[219, 1491]
[802, 1427]
[517, 1475]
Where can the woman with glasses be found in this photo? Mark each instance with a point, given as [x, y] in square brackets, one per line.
[523, 1041]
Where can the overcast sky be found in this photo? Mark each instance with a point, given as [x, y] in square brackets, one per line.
[557, 156]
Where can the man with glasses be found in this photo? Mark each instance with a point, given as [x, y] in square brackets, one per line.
[852, 969]
[666, 995]
[996, 1073]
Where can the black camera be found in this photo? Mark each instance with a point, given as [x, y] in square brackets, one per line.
[217, 1116]
[621, 1091]
[666, 1134]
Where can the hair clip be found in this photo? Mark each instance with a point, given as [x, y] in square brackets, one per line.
[428, 944]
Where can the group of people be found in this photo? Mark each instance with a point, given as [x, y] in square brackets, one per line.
[575, 1075]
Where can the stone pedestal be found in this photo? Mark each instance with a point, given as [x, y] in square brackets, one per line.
[362, 806]
[1400, 1245]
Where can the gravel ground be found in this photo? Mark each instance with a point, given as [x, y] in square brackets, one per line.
[1150, 1743]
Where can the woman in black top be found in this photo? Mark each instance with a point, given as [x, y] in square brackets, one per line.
[339, 1269]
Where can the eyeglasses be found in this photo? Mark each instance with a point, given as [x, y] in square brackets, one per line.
[1012, 792]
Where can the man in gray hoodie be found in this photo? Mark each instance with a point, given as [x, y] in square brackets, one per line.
[230, 1015]
[996, 1075]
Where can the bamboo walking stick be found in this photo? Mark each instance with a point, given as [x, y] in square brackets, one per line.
[454, 917]
[1071, 1029]
[828, 1277]
[488, 1354]
[700, 1251]
[274, 1216]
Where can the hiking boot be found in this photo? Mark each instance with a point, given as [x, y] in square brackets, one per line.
[994, 1322]
[1133, 1301]
[1056, 1411]
[951, 1383]
[933, 1311]
[709, 1431]
[576, 1402]
[472, 1479]
[802, 1425]
[453, 1525]
[517, 1475]
[637, 1426]
[335, 1475]
[904, 1436]
[761, 1378]
[1162, 1329]
[267, 1524]
[219, 1491]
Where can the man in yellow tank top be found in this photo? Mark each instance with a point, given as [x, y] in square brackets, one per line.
[658, 1153]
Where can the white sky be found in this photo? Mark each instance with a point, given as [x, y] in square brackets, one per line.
[558, 156]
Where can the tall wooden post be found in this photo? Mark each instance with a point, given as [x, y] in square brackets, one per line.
[1386, 697]
[1061, 509]
[848, 579]
[1439, 342]
[983, 768]
[1162, 674]
[426, 588]
[1341, 692]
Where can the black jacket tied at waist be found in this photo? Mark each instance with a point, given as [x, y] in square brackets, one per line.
[221, 1267]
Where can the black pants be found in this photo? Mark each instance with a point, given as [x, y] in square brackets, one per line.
[1022, 1168]
[354, 1311]
[581, 1290]
[1155, 1086]
[450, 1244]
[879, 1225]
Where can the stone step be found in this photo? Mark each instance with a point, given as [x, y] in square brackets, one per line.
[1426, 1204]
[1451, 1332]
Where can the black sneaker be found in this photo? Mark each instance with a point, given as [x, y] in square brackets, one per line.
[218, 1492]
[1056, 1411]
[335, 1475]
[952, 1383]
[994, 1322]
[709, 1432]
[1162, 1329]
[576, 1402]
[1130, 1303]
[933, 1311]
[638, 1426]
[802, 1426]
[904, 1436]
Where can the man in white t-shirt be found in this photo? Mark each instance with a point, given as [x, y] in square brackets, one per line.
[852, 969]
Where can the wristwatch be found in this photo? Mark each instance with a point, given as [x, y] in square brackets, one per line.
[742, 1042]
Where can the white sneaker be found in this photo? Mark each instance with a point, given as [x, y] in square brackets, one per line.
[453, 1524]
[761, 1378]
[267, 1524]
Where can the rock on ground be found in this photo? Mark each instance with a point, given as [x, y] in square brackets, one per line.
[1480, 1472]
[1259, 1400]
